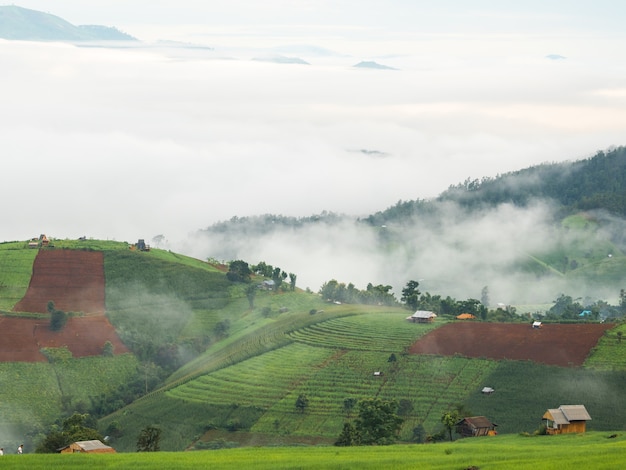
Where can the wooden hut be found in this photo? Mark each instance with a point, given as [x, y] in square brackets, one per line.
[87, 447]
[475, 426]
[566, 419]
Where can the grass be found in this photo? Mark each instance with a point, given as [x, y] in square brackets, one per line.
[590, 450]
[17, 267]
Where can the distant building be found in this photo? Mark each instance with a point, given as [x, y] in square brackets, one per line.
[87, 447]
[487, 390]
[476, 426]
[422, 316]
[566, 419]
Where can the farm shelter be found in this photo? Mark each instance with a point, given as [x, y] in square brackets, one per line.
[87, 447]
[422, 316]
[466, 316]
[476, 426]
[566, 419]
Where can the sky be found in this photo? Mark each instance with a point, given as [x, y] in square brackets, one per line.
[128, 143]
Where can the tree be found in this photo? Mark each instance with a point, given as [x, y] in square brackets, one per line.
[238, 271]
[292, 281]
[58, 318]
[158, 239]
[378, 422]
[411, 295]
[302, 403]
[348, 405]
[108, 349]
[78, 427]
[405, 407]
[449, 420]
[222, 328]
[349, 436]
[278, 276]
[251, 294]
[484, 297]
[419, 434]
[565, 307]
[149, 439]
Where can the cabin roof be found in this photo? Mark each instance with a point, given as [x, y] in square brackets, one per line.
[565, 414]
[477, 422]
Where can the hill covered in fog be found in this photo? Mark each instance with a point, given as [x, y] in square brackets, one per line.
[528, 236]
[19, 23]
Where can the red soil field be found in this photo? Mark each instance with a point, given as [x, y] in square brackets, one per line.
[554, 344]
[72, 279]
[22, 338]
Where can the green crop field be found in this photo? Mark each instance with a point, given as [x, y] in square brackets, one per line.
[592, 450]
[245, 383]
[610, 352]
[17, 267]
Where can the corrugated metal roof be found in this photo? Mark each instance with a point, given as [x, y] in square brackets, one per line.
[423, 314]
[557, 416]
[565, 414]
[478, 422]
[91, 445]
[575, 412]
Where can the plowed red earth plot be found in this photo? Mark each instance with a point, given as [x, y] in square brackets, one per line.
[21, 339]
[553, 344]
[73, 280]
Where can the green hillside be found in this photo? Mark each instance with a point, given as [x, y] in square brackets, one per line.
[212, 370]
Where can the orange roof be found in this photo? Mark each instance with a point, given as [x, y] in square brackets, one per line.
[465, 316]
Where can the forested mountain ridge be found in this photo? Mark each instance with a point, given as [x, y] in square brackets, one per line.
[595, 183]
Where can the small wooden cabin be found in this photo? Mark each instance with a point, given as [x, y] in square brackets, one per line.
[87, 447]
[476, 426]
[566, 419]
[422, 316]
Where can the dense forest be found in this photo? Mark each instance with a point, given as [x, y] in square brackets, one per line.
[598, 182]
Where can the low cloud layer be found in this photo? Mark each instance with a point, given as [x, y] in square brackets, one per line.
[130, 143]
[454, 254]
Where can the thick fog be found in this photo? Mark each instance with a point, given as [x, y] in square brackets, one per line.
[133, 142]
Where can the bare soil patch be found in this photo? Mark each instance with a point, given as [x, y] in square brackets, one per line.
[72, 279]
[554, 344]
[21, 339]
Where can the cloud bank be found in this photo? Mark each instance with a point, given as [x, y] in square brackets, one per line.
[130, 143]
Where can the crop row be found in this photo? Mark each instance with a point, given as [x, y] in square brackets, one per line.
[432, 385]
[369, 332]
[258, 381]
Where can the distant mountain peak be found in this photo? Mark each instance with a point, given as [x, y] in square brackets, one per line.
[372, 65]
[17, 23]
[555, 57]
